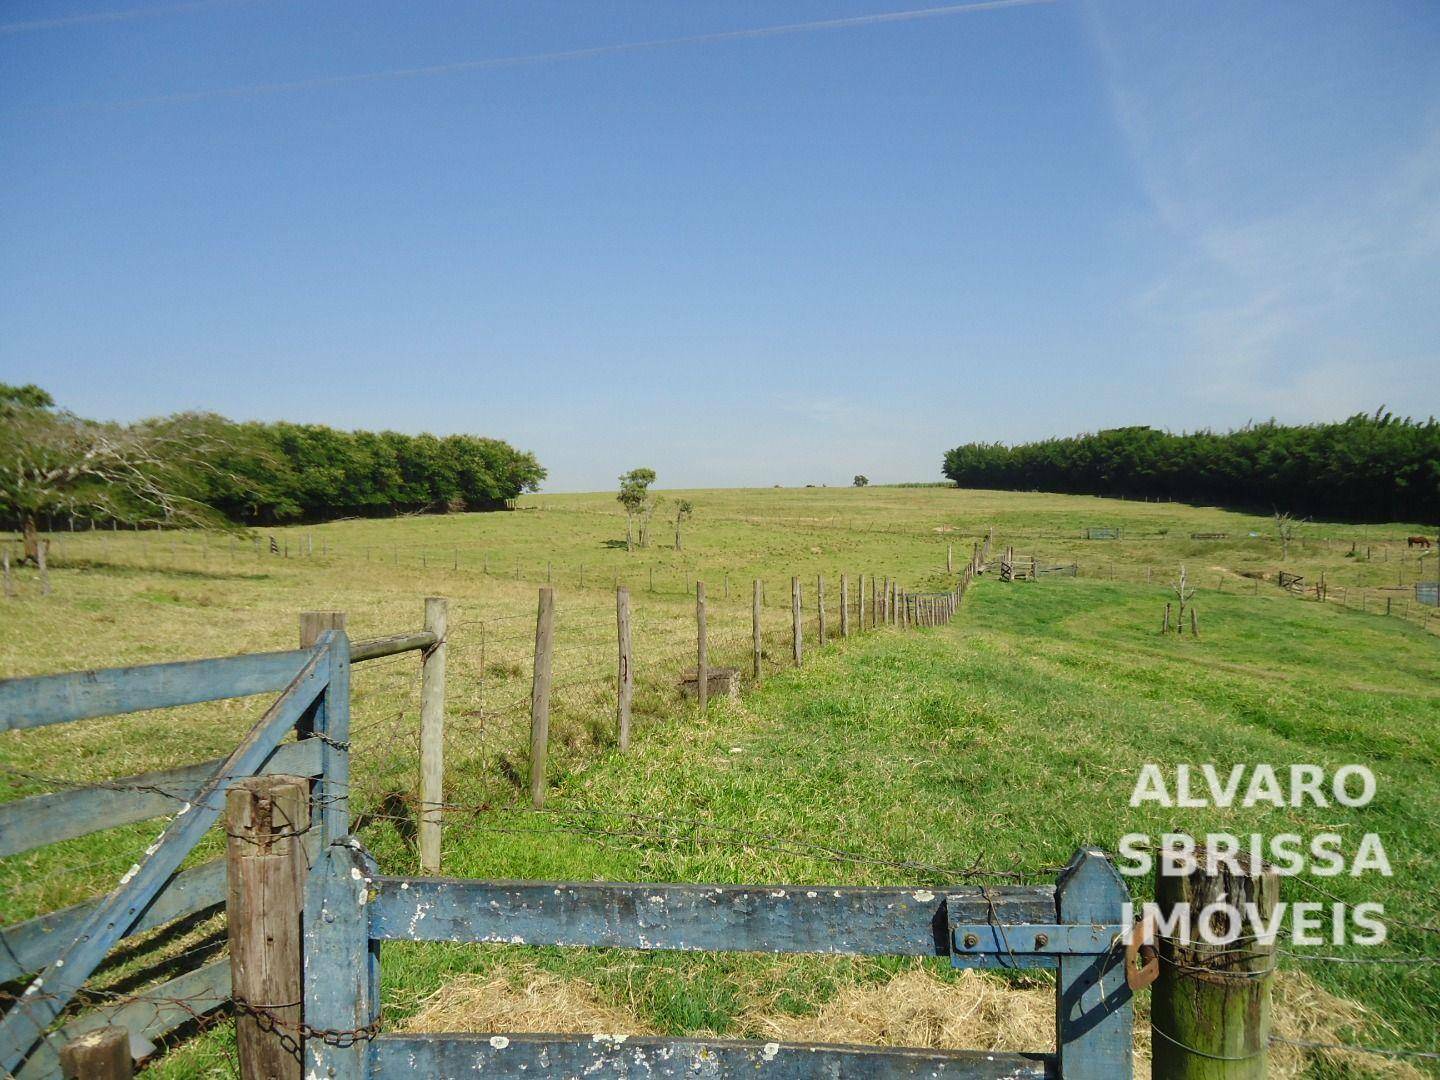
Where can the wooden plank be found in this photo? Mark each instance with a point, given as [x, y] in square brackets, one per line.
[26, 1022]
[63, 815]
[151, 1015]
[79, 695]
[361, 651]
[31, 945]
[632, 1056]
[1094, 1013]
[341, 964]
[721, 918]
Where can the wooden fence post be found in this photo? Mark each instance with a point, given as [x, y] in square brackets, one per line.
[540, 695]
[1210, 1006]
[702, 649]
[265, 865]
[755, 629]
[625, 679]
[820, 604]
[40, 552]
[844, 605]
[432, 736]
[796, 633]
[949, 558]
[101, 1054]
[9, 581]
[860, 603]
[315, 623]
[874, 602]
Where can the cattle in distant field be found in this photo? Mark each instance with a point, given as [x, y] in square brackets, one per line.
[1417, 541]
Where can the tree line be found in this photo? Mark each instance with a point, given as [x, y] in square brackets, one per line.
[203, 469]
[1368, 468]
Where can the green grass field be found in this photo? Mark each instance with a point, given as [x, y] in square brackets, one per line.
[1002, 741]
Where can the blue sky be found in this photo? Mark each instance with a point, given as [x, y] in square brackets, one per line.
[774, 258]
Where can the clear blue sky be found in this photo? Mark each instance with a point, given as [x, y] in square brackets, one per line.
[775, 258]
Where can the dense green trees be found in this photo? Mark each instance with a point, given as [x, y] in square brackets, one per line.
[1366, 468]
[291, 472]
[184, 468]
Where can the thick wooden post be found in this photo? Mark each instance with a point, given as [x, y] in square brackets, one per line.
[949, 558]
[432, 737]
[844, 605]
[796, 629]
[540, 695]
[265, 820]
[625, 678]
[1211, 1004]
[874, 602]
[102, 1054]
[315, 623]
[342, 964]
[756, 655]
[702, 649]
[860, 602]
[820, 604]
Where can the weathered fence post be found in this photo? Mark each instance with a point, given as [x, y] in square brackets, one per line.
[1211, 1004]
[315, 623]
[797, 633]
[9, 581]
[265, 865]
[540, 695]
[40, 552]
[756, 601]
[874, 602]
[860, 602]
[702, 649]
[625, 679]
[101, 1054]
[432, 736]
[1194, 625]
[820, 604]
[1165, 626]
[949, 558]
[844, 605]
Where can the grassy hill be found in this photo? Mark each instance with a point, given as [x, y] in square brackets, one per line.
[999, 743]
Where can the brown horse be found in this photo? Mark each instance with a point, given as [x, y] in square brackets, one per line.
[1417, 541]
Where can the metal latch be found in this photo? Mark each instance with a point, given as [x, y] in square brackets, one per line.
[1142, 959]
[1028, 945]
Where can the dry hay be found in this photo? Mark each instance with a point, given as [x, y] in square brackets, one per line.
[527, 999]
[915, 1008]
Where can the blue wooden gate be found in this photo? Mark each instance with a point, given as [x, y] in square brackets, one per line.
[66, 947]
[1073, 926]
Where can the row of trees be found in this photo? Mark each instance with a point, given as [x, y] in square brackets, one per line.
[1366, 468]
[202, 469]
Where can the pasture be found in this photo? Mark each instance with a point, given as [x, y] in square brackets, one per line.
[895, 757]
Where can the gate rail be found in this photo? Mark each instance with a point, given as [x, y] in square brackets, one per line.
[1074, 926]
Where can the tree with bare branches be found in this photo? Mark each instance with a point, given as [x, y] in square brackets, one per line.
[150, 472]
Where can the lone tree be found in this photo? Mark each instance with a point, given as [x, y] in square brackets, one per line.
[1284, 532]
[1184, 592]
[149, 472]
[684, 510]
[860, 480]
[635, 497]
